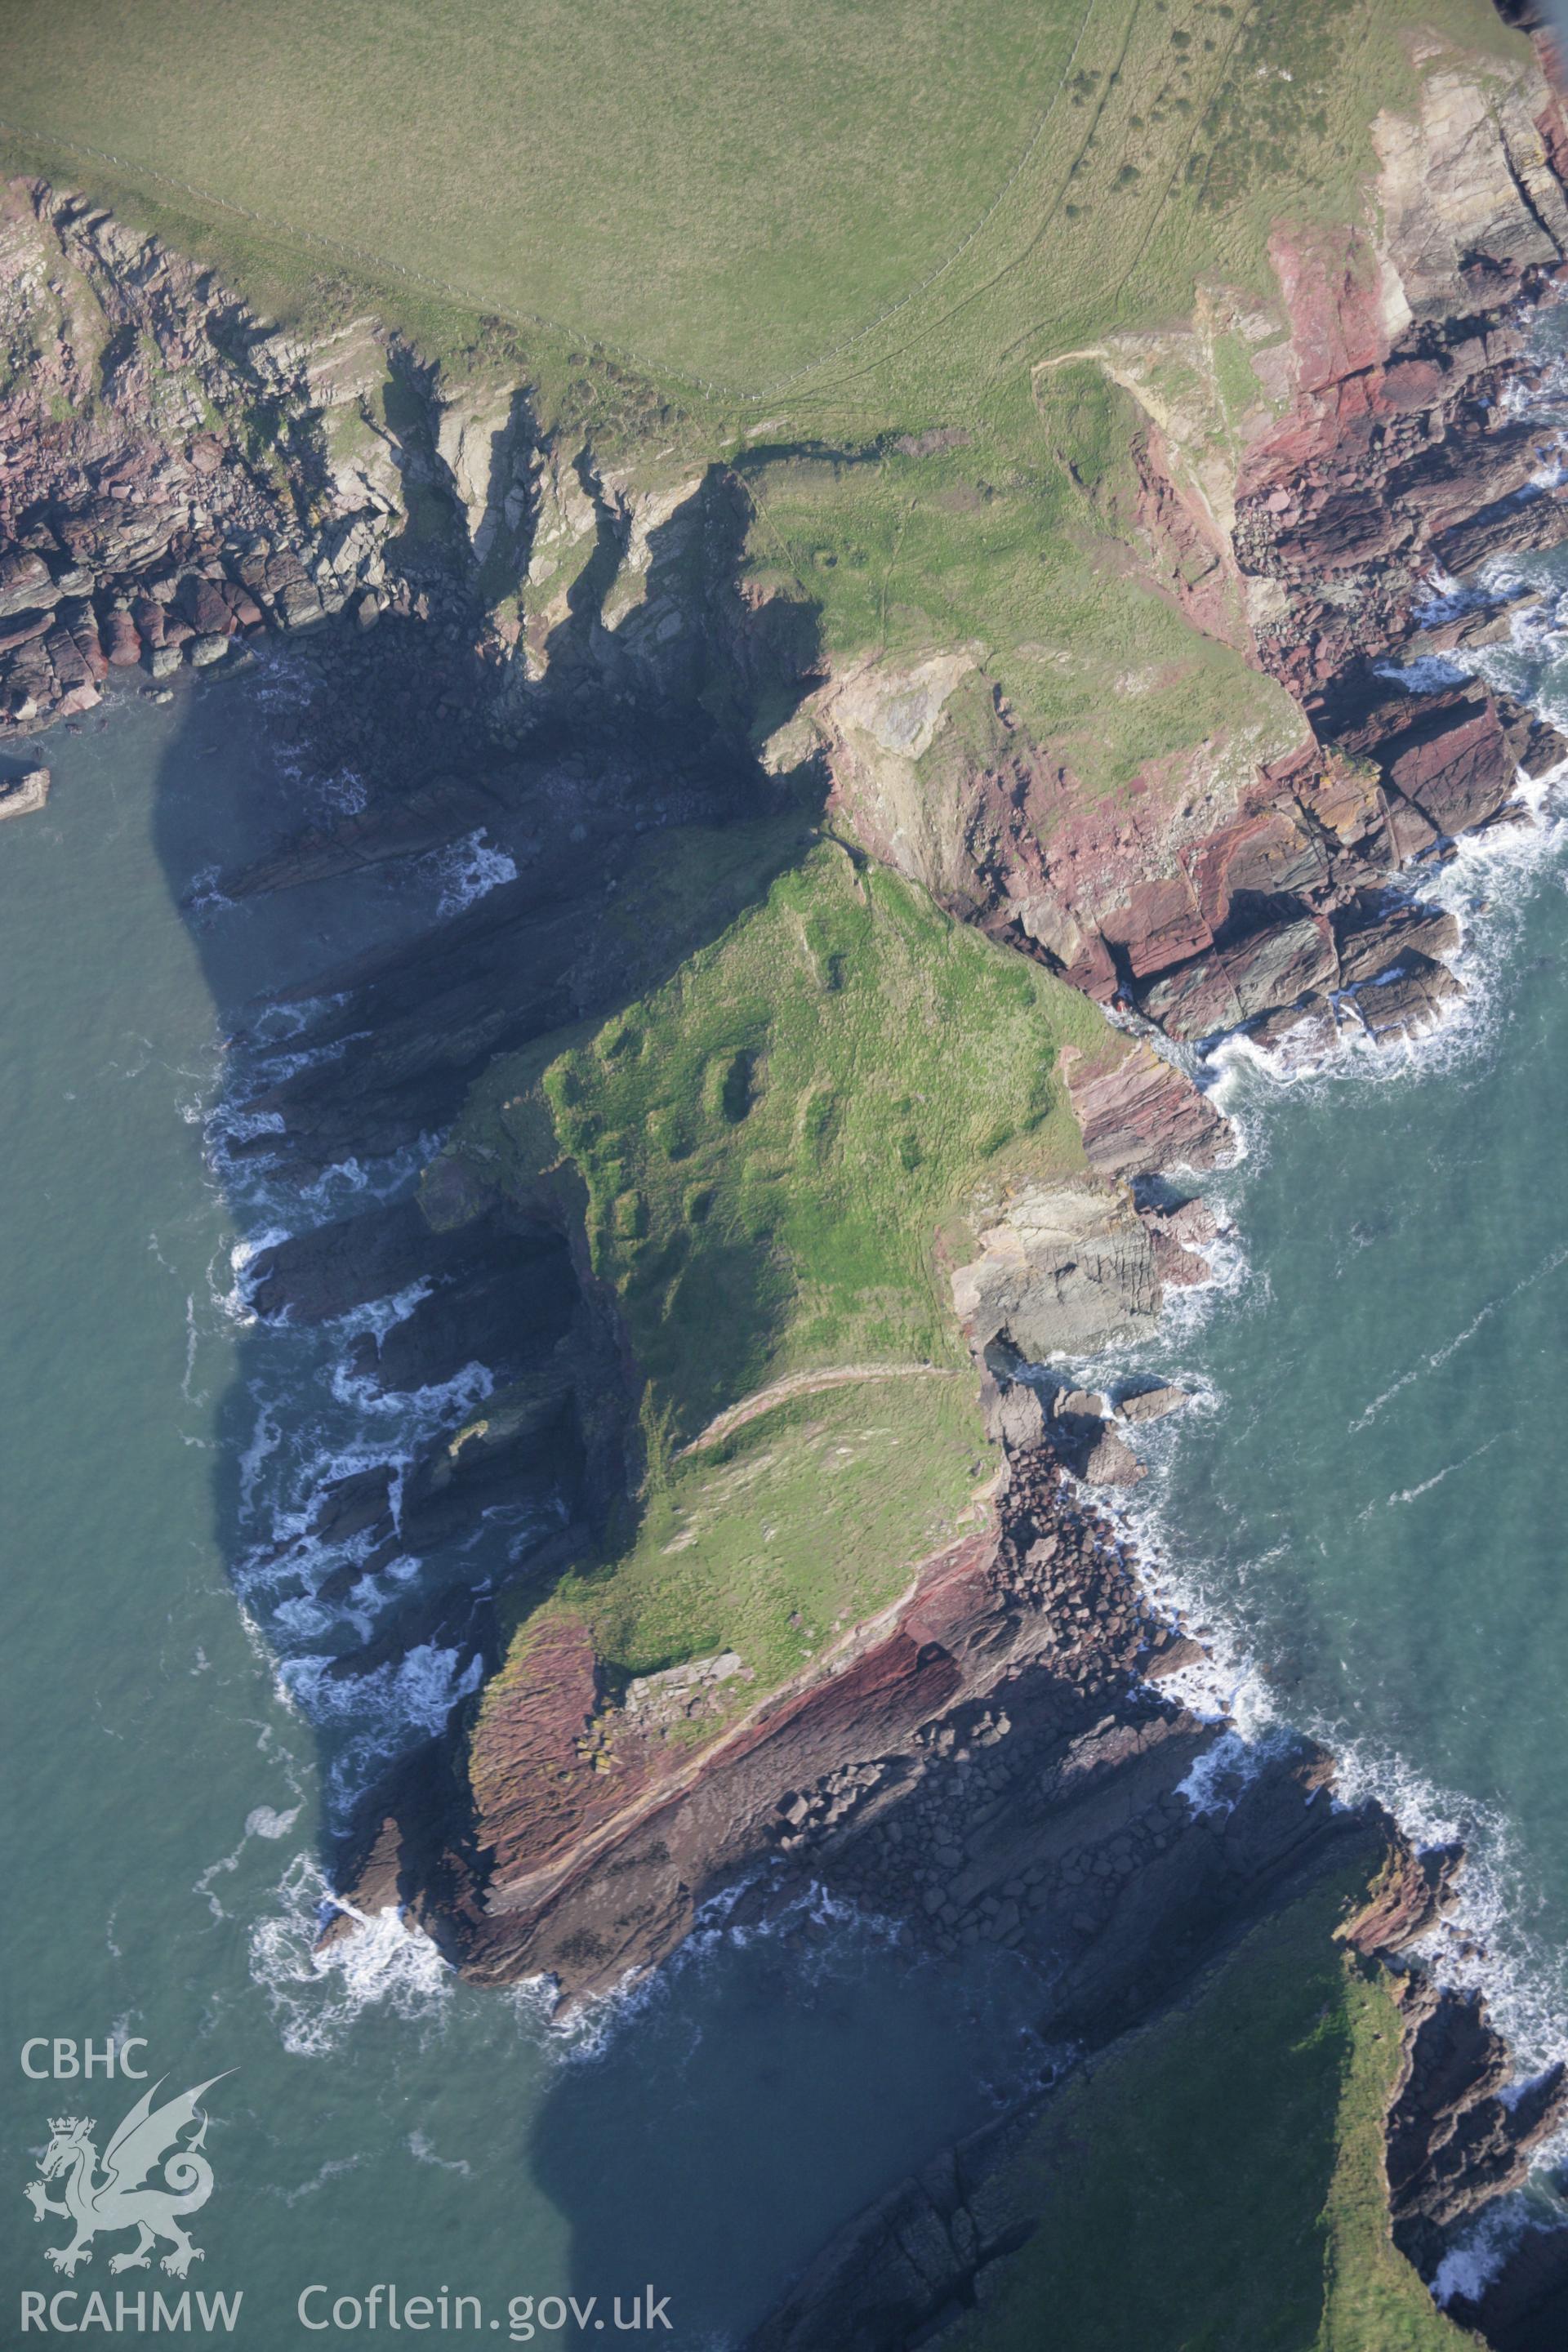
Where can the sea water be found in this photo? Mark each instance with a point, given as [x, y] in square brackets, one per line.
[1364, 1507]
[177, 1749]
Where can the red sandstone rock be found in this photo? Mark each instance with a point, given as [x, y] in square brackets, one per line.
[1409, 1005]
[204, 606]
[1342, 799]
[1461, 776]
[122, 644]
[84, 637]
[1196, 1000]
[552, 1821]
[1140, 1114]
[1412, 384]
[1267, 856]
[1329, 280]
[148, 615]
[1196, 568]
[1179, 1268]
[19, 632]
[24, 581]
[1159, 925]
[1277, 966]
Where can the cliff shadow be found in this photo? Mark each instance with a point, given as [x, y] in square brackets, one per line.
[422, 886]
[360, 996]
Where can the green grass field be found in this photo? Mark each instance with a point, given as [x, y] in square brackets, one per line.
[718, 193]
[1215, 2183]
[772, 1543]
[768, 1144]
[1014, 542]
[765, 1152]
[821, 202]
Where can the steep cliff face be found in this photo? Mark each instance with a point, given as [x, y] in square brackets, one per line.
[177, 476]
[1311, 470]
[988, 1750]
[181, 475]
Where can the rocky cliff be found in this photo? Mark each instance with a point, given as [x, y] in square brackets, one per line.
[177, 476]
[1381, 446]
[531, 624]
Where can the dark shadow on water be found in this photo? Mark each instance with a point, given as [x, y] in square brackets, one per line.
[761, 2094]
[763, 2088]
[382, 967]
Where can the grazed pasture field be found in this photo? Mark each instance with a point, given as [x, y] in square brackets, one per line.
[825, 198]
[718, 190]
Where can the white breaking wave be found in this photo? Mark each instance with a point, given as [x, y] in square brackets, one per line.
[1468, 2267]
[845, 1937]
[1484, 1942]
[380, 1712]
[317, 1994]
[466, 870]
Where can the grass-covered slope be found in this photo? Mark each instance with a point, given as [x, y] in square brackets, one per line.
[721, 194]
[772, 1154]
[1014, 537]
[1215, 2183]
[774, 1542]
[812, 203]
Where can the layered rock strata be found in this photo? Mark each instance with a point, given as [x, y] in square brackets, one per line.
[178, 476]
[1391, 447]
[994, 1756]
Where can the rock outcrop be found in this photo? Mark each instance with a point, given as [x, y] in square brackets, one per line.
[1454, 2142]
[179, 477]
[22, 795]
[1389, 446]
[1063, 1269]
[998, 1757]
[992, 1759]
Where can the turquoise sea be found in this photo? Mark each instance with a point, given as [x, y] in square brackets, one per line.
[1365, 1506]
[176, 1748]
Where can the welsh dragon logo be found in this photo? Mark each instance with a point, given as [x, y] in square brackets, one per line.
[120, 2196]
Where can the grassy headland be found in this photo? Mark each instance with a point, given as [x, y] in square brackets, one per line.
[1216, 2180]
[767, 1153]
[885, 269]
[1011, 537]
[883, 266]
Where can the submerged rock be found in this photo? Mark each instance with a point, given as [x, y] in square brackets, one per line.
[1151, 1404]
